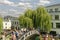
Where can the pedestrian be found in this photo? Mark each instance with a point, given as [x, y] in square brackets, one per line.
[3, 36]
[53, 38]
[49, 37]
[13, 37]
[16, 34]
[46, 37]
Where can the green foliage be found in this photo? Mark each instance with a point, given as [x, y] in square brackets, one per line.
[25, 22]
[37, 38]
[39, 18]
[44, 19]
[33, 15]
[1, 24]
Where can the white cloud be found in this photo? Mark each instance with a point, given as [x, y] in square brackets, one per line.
[21, 4]
[26, 0]
[28, 5]
[11, 12]
[24, 5]
[1, 12]
[14, 12]
[44, 1]
[34, 4]
[7, 2]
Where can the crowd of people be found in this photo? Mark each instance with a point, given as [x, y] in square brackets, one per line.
[48, 37]
[14, 34]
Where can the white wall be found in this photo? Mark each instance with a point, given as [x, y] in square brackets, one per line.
[53, 17]
[8, 26]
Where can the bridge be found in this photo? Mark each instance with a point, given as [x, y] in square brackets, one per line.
[28, 34]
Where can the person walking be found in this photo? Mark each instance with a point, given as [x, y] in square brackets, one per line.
[13, 37]
[17, 34]
[46, 37]
[3, 36]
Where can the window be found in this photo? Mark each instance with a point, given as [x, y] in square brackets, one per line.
[15, 22]
[56, 17]
[12, 22]
[56, 9]
[6, 27]
[5, 23]
[51, 10]
[57, 25]
[52, 25]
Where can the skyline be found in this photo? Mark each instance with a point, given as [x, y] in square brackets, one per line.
[17, 7]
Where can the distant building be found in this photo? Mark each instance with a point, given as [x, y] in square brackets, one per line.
[54, 10]
[10, 22]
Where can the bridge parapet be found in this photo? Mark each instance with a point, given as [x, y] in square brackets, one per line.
[26, 35]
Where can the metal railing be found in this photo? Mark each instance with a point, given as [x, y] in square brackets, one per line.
[29, 34]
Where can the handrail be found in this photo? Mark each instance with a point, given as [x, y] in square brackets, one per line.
[29, 34]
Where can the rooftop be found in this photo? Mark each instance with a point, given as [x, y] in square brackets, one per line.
[10, 18]
[54, 5]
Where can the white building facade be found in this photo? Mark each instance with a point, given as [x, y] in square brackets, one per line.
[54, 11]
[10, 22]
[7, 24]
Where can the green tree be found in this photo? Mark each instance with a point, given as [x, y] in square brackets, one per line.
[45, 19]
[33, 15]
[40, 18]
[21, 20]
[25, 22]
[1, 24]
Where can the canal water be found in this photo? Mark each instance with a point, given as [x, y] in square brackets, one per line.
[33, 37]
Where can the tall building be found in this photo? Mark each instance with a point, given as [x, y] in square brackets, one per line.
[54, 10]
[10, 22]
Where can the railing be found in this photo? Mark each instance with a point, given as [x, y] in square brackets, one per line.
[29, 34]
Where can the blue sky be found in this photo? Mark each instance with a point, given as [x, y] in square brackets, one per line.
[17, 7]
